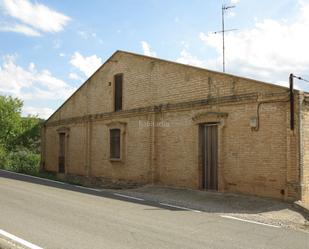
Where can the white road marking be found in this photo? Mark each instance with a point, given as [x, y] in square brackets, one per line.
[130, 197]
[184, 208]
[249, 221]
[19, 240]
[41, 178]
[93, 189]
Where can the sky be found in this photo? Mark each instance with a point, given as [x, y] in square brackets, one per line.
[49, 48]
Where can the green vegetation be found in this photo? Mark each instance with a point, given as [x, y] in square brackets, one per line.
[19, 138]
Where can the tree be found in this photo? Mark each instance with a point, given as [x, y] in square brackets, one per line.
[10, 120]
[30, 134]
[19, 137]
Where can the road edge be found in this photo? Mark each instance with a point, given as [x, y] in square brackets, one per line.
[303, 209]
[6, 243]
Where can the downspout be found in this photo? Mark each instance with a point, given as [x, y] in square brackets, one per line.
[152, 145]
[301, 143]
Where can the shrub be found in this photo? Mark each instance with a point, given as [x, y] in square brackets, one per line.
[23, 161]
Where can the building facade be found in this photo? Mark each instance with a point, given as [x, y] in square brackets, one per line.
[150, 121]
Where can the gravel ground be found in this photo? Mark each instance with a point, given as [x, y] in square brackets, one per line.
[242, 206]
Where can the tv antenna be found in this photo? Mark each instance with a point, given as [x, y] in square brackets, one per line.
[224, 9]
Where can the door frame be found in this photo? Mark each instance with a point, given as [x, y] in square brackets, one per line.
[202, 155]
[213, 168]
[220, 118]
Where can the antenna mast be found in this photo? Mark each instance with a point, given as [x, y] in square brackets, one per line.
[224, 8]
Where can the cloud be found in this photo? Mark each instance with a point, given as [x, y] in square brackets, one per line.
[187, 58]
[87, 65]
[230, 14]
[234, 1]
[147, 49]
[42, 112]
[29, 83]
[86, 34]
[33, 16]
[57, 44]
[269, 51]
[74, 76]
[19, 28]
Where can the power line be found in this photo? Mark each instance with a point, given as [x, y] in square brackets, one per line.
[300, 78]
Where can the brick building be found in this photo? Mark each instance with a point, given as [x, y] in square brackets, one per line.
[150, 121]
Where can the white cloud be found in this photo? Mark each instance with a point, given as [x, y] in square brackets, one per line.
[147, 49]
[185, 44]
[57, 44]
[29, 83]
[86, 34]
[234, 1]
[62, 54]
[269, 51]
[19, 28]
[83, 34]
[231, 14]
[38, 16]
[187, 58]
[74, 76]
[42, 112]
[87, 65]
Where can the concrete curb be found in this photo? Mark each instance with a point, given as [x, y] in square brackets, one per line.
[8, 244]
[303, 209]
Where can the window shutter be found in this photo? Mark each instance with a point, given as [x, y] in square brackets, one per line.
[115, 143]
[118, 92]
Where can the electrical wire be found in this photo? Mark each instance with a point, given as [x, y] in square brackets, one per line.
[300, 78]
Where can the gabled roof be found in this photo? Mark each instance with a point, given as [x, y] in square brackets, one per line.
[162, 60]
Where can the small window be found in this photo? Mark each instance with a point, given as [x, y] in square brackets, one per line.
[115, 143]
[118, 92]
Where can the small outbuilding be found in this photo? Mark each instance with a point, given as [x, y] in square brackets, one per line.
[151, 121]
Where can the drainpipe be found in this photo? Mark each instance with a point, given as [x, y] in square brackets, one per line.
[301, 143]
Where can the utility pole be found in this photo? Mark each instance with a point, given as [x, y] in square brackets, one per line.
[224, 8]
[291, 81]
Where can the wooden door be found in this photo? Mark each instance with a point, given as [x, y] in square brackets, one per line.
[209, 143]
[61, 158]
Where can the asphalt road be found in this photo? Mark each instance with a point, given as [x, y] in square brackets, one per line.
[55, 215]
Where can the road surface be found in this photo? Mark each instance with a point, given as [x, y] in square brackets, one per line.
[55, 215]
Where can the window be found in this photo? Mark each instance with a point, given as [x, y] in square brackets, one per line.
[118, 92]
[115, 143]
